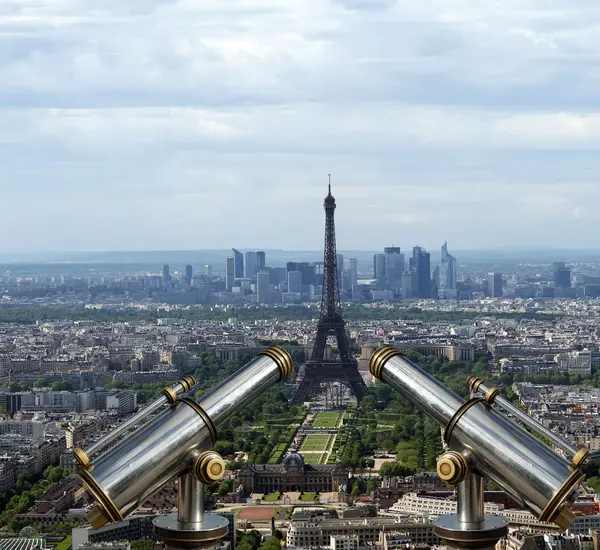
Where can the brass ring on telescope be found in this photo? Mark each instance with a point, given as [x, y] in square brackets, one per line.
[184, 384]
[191, 381]
[473, 383]
[82, 458]
[170, 394]
[458, 415]
[491, 394]
[202, 414]
[580, 457]
[282, 358]
[108, 507]
[209, 467]
[380, 358]
[553, 508]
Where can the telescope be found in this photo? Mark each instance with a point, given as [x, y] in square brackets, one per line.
[481, 442]
[176, 443]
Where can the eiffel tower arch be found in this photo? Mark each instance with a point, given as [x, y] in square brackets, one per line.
[318, 372]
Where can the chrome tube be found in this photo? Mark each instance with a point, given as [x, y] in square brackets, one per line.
[470, 501]
[168, 395]
[190, 499]
[492, 396]
[171, 443]
[532, 473]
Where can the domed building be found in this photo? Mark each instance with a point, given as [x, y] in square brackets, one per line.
[292, 475]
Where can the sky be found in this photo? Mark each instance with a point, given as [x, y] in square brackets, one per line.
[195, 124]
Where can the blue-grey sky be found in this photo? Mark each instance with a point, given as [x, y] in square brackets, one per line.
[192, 124]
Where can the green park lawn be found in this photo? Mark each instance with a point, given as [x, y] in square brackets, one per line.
[314, 458]
[272, 497]
[316, 442]
[308, 496]
[64, 544]
[326, 420]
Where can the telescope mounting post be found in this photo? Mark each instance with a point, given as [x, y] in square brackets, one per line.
[191, 528]
[470, 527]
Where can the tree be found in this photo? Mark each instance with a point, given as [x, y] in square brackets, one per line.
[225, 487]
[356, 489]
[142, 545]
[273, 543]
[224, 448]
[594, 483]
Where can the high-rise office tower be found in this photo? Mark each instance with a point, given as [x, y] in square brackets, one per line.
[353, 270]
[208, 270]
[340, 269]
[251, 265]
[166, 273]
[189, 273]
[562, 275]
[294, 281]
[308, 273]
[238, 264]
[291, 266]
[394, 266]
[379, 268]
[447, 272]
[262, 287]
[421, 265]
[261, 260]
[495, 285]
[229, 274]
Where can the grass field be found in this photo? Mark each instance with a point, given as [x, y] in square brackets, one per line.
[316, 442]
[271, 497]
[326, 420]
[64, 544]
[314, 458]
[308, 496]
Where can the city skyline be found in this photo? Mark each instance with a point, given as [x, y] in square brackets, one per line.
[179, 124]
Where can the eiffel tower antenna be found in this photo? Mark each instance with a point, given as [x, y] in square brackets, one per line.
[331, 323]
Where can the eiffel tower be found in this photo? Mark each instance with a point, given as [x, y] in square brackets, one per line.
[318, 371]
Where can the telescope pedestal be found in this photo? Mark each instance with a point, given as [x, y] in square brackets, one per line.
[191, 529]
[470, 528]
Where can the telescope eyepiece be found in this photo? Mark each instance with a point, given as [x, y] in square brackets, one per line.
[209, 468]
[452, 467]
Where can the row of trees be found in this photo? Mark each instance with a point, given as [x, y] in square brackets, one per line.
[29, 314]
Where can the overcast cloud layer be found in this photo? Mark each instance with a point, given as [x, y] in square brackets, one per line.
[214, 123]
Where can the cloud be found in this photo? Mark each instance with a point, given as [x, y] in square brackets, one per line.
[185, 124]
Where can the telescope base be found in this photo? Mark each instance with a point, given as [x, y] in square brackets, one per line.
[460, 535]
[190, 536]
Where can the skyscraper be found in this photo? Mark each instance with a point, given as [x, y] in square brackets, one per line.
[379, 266]
[294, 281]
[260, 261]
[340, 269]
[189, 272]
[495, 285]
[238, 266]
[229, 274]
[262, 287]
[353, 270]
[562, 275]
[208, 270]
[421, 265]
[447, 270]
[394, 266]
[251, 264]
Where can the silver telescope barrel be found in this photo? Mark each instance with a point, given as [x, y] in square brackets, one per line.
[538, 478]
[493, 396]
[168, 395]
[176, 441]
